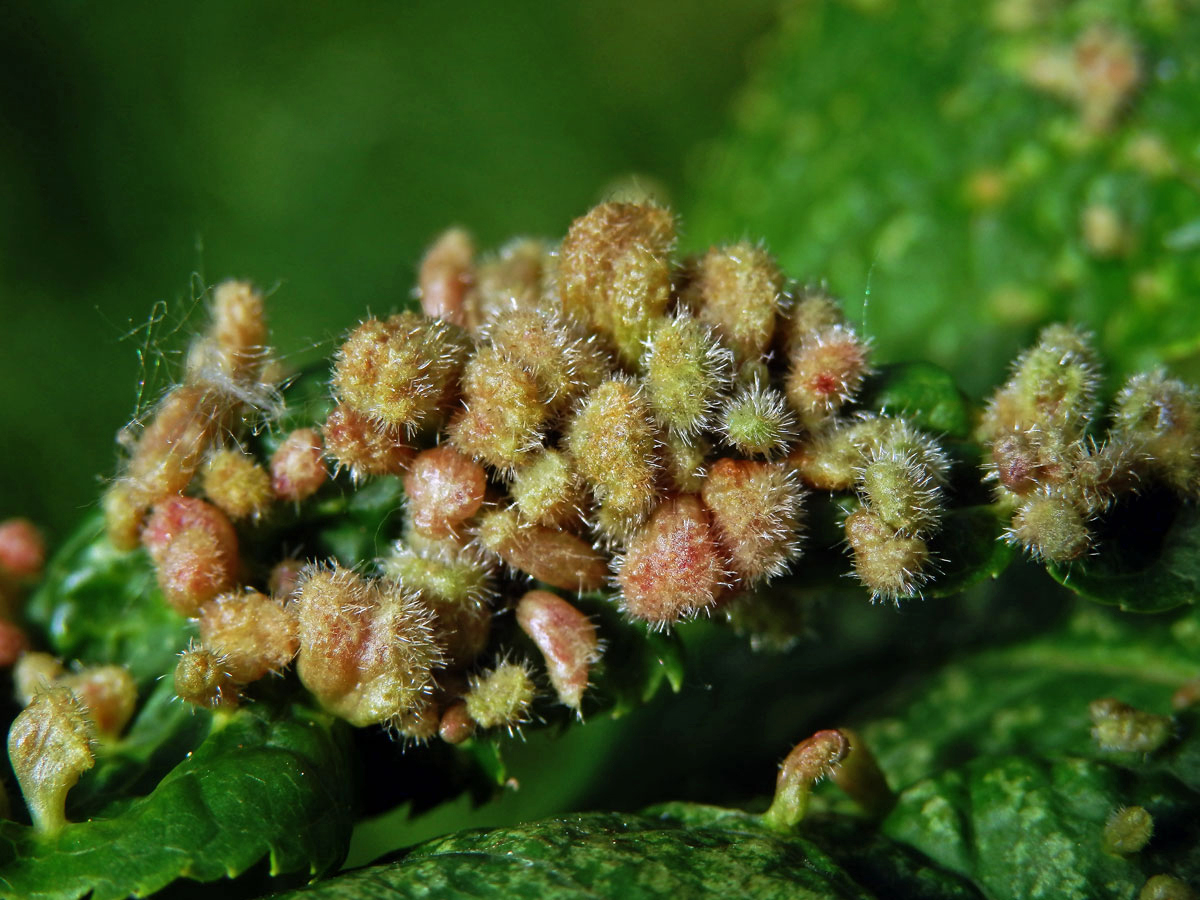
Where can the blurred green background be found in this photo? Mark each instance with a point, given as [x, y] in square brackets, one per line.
[148, 150]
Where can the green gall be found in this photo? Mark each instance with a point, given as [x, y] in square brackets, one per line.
[810, 761]
[50, 746]
[1127, 831]
[501, 697]
[685, 371]
[757, 422]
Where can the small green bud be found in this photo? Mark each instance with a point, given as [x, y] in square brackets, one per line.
[50, 746]
[1127, 831]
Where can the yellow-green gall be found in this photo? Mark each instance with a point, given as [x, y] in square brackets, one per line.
[1160, 418]
[1050, 526]
[1052, 389]
[254, 634]
[890, 565]
[367, 651]
[397, 372]
[455, 584]
[901, 492]
[521, 275]
[504, 417]
[611, 444]
[813, 311]
[686, 370]
[737, 289]
[1127, 831]
[683, 462]
[1119, 726]
[202, 679]
[237, 484]
[756, 421]
[1166, 887]
[548, 491]
[562, 361]
[50, 746]
[501, 697]
[614, 272]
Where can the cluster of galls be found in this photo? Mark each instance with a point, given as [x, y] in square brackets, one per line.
[589, 414]
[1046, 461]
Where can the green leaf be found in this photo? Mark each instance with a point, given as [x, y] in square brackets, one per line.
[637, 661]
[1033, 695]
[1000, 780]
[902, 151]
[675, 851]
[925, 394]
[1025, 826]
[100, 605]
[1140, 566]
[261, 785]
[971, 549]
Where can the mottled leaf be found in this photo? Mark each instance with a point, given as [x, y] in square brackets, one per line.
[262, 785]
[675, 851]
[100, 605]
[1148, 559]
